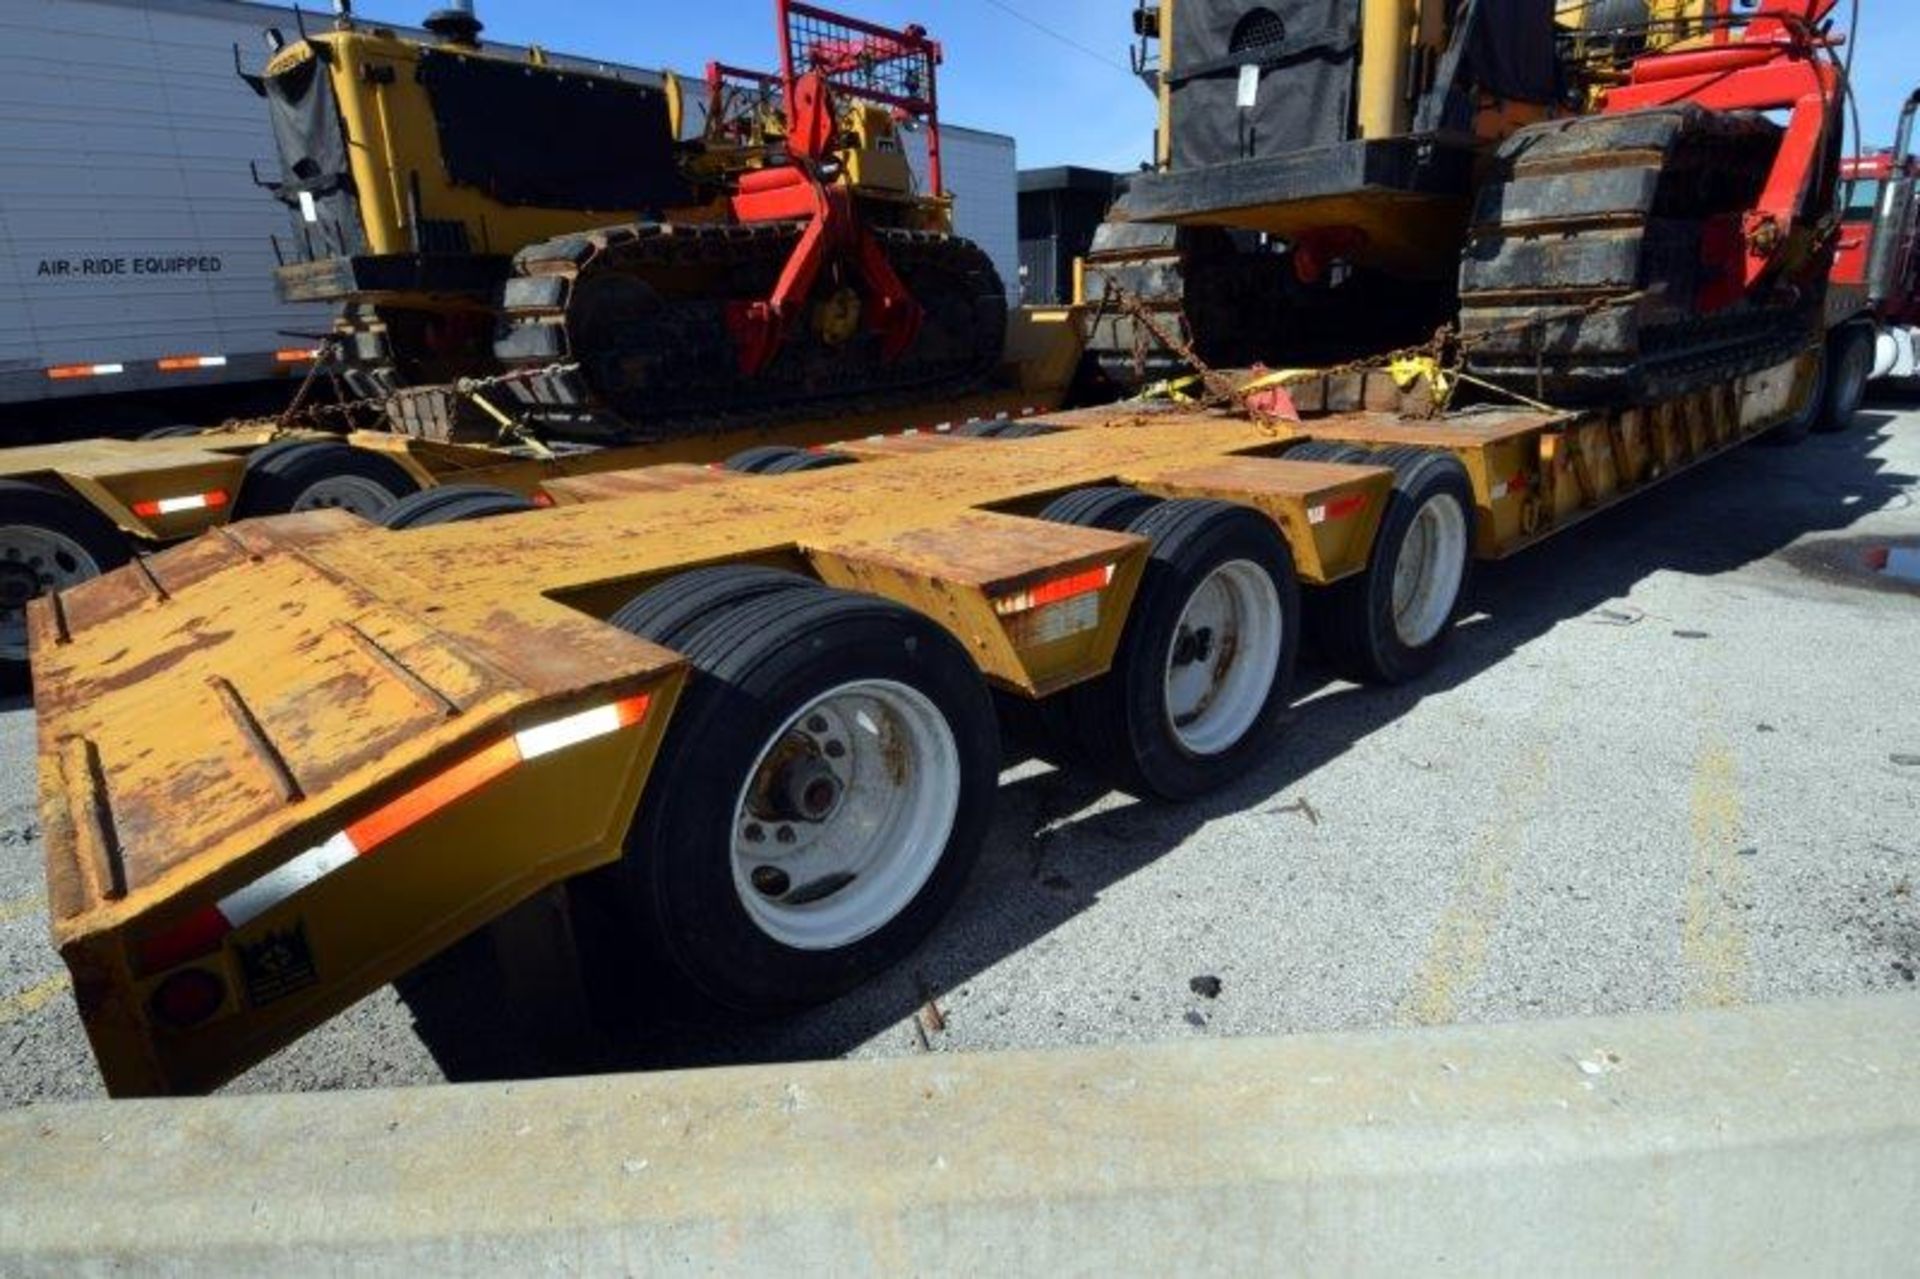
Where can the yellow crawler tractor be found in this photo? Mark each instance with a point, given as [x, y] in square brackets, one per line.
[1591, 194]
[476, 215]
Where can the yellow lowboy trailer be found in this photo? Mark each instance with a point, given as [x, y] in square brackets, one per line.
[70, 511]
[747, 714]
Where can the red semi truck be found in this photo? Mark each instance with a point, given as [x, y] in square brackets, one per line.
[1877, 269]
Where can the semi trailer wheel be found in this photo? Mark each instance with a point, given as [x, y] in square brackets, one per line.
[454, 504]
[311, 475]
[1027, 431]
[1388, 624]
[804, 460]
[1328, 451]
[1201, 678]
[781, 459]
[669, 612]
[48, 542]
[1849, 366]
[1001, 428]
[1108, 506]
[823, 791]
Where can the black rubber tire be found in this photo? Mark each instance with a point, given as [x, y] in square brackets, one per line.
[1027, 430]
[454, 504]
[34, 505]
[756, 460]
[1328, 451]
[1352, 620]
[1108, 506]
[667, 613]
[263, 457]
[1849, 366]
[983, 429]
[170, 432]
[804, 460]
[756, 661]
[281, 477]
[1119, 720]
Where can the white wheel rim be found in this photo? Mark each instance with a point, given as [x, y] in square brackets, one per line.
[1224, 657]
[356, 493]
[52, 560]
[820, 873]
[1429, 569]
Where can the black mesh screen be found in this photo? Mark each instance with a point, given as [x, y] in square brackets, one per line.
[1258, 30]
[550, 139]
[864, 61]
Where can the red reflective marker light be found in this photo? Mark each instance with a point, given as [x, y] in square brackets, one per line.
[188, 998]
[175, 505]
[1055, 591]
[1338, 508]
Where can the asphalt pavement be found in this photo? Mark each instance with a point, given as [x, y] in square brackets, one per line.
[1672, 760]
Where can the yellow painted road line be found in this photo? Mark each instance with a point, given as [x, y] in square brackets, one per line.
[33, 998]
[1457, 951]
[1713, 941]
[20, 908]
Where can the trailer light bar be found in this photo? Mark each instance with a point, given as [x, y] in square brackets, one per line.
[66, 372]
[1338, 508]
[1055, 591]
[203, 931]
[296, 355]
[185, 363]
[175, 505]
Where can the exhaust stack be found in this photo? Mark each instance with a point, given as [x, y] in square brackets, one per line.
[455, 24]
[1884, 261]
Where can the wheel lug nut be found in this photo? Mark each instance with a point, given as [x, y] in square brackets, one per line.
[816, 723]
[785, 835]
[755, 832]
[835, 749]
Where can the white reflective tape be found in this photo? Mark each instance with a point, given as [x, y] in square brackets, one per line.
[213, 361]
[175, 505]
[308, 209]
[247, 904]
[562, 733]
[1055, 622]
[1499, 490]
[106, 370]
[1316, 515]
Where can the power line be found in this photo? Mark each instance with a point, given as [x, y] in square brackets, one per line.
[1062, 37]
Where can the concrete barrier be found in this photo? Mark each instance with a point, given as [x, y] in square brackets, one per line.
[1766, 1140]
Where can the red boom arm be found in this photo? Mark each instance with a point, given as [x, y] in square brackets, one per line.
[1774, 57]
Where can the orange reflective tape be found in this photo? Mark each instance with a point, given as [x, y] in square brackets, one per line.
[1065, 588]
[423, 801]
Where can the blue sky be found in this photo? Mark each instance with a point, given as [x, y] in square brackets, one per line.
[1068, 97]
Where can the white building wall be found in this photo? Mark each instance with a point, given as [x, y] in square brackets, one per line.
[982, 171]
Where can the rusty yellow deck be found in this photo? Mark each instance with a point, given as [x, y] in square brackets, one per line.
[210, 711]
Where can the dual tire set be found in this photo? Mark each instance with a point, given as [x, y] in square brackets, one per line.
[828, 777]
